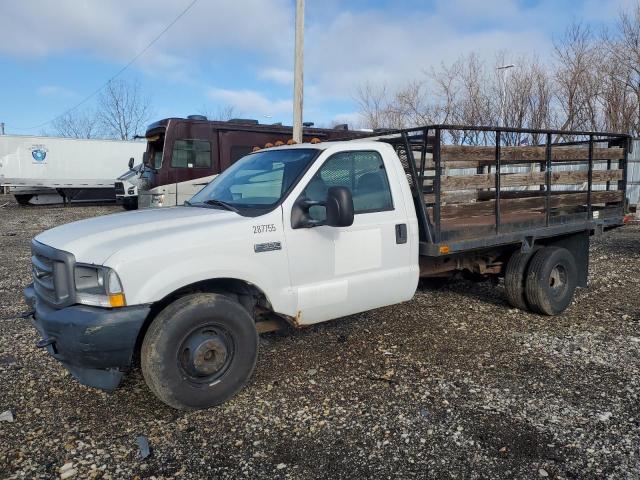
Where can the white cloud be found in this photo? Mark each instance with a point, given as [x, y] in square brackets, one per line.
[119, 29]
[277, 75]
[250, 102]
[359, 46]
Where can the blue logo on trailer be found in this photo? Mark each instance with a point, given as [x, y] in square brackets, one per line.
[39, 155]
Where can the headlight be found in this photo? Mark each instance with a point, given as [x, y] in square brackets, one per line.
[157, 199]
[98, 286]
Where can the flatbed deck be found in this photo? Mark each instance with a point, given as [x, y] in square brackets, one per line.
[477, 187]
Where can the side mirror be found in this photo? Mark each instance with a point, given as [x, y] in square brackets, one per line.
[339, 207]
[131, 160]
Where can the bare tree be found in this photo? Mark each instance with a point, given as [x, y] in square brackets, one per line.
[526, 97]
[373, 104]
[83, 124]
[220, 112]
[577, 78]
[406, 107]
[623, 49]
[123, 110]
[541, 99]
[447, 92]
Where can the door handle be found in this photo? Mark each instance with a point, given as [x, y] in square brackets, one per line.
[401, 233]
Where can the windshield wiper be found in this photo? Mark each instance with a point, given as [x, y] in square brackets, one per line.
[222, 204]
[188, 203]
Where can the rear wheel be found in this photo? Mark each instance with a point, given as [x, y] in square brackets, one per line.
[551, 280]
[514, 278]
[23, 199]
[199, 351]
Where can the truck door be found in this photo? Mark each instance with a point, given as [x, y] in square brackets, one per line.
[373, 263]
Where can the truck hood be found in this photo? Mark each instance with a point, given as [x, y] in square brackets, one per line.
[129, 174]
[96, 239]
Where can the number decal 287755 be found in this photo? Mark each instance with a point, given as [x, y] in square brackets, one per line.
[264, 228]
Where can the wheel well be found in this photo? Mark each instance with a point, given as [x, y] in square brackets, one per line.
[245, 293]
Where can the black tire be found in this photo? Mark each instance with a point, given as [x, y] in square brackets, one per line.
[176, 345]
[552, 278]
[23, 199]
[130, 204]
[514, 278]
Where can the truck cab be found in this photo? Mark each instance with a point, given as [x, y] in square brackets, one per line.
[275, 233]
[126, 185]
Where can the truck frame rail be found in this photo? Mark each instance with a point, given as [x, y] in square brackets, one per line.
[478, 186]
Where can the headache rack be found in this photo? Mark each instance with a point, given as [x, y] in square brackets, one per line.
[477, 187]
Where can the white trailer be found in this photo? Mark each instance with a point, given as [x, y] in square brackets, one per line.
[41, 170]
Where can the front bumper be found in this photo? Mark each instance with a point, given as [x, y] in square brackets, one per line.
[95, 344]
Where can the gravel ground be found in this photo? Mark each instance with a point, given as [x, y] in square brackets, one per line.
[453, 384]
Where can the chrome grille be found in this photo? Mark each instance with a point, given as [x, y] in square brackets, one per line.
[43, 272]
[52, 275]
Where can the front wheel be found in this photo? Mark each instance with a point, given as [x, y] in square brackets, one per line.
[130, 203]
[199, 351]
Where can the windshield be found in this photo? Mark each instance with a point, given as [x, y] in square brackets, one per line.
[257, 181]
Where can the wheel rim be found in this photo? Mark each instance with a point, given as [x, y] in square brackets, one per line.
[558, 281]
[206, 353]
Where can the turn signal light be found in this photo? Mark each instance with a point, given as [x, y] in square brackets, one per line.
[117, 300]
[444, 249]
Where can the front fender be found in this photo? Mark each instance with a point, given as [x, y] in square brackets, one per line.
[148, 282]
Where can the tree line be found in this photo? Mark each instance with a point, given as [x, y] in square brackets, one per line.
[591, 83]
[121, 112]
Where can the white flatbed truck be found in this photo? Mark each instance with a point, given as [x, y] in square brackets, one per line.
[303, 234]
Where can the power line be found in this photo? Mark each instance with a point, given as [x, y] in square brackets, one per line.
[118, 73]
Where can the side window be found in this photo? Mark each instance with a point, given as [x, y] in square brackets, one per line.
[361, 172]
[191, 154]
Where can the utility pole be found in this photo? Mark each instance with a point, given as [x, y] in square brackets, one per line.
[298, 78]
